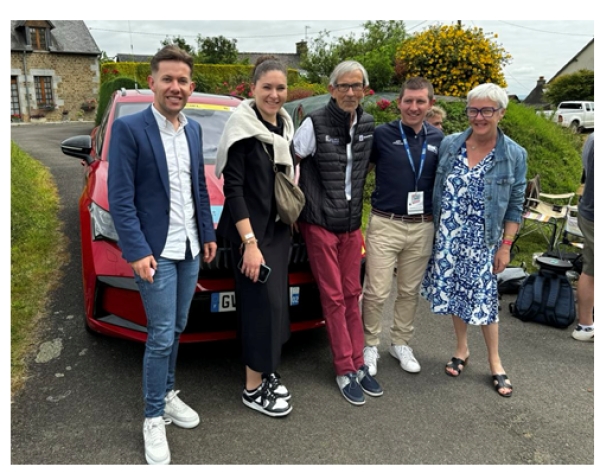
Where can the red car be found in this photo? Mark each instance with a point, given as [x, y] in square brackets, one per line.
[112, 302]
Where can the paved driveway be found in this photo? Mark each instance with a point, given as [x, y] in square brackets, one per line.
[82, 402]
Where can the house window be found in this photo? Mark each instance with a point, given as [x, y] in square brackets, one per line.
[38, 38]
[43, 91]
[14, 98]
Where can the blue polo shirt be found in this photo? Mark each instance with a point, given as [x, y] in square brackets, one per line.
[394, 176]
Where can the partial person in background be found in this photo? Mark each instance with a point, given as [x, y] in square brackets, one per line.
[585, 219]
[400, 231]
[477, 208]
[436, 116]
[258, 134]
[160, 207]
[334, 144]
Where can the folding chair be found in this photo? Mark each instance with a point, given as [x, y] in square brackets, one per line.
[544, 214]
[570, 246]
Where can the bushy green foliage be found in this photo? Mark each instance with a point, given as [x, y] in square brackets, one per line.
[576, 86]
[375, 49]
[454, 59]
[553, 152]
[217, 50]
[106, 90]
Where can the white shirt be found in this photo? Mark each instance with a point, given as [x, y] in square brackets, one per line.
[305, 144]
[182, 215]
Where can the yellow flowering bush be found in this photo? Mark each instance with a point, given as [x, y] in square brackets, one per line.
[453, 58]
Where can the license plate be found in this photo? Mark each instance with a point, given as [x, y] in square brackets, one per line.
[222, 302]
[225, 301]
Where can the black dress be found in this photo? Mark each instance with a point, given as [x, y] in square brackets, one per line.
[263, 309]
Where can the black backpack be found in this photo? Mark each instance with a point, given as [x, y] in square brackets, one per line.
[546, 297]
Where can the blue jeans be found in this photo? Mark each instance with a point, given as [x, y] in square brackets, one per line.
[167, 302]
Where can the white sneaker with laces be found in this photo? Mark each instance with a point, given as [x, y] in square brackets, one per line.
[371, 355]
[155, 441]
[179, 412]
[583, 334]
[404, 354]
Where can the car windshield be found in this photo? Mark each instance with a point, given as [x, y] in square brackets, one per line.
[212, 119]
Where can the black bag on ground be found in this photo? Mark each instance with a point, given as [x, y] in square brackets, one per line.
[510, 280]
[546, 297]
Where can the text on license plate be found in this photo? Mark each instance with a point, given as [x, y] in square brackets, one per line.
[225, 301]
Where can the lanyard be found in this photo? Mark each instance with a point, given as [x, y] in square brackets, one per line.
[410, 160]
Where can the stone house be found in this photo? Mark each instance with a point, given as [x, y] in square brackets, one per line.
[54, 70]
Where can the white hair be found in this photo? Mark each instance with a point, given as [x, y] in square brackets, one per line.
[492, 92]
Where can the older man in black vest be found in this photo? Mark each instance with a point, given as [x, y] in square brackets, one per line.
[333, 144]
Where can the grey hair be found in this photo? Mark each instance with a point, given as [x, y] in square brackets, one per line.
[346, 67]
[492, 92]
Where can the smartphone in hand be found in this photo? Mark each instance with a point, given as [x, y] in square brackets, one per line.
[263, 273]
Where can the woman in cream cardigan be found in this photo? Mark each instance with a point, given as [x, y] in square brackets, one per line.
[258, 134]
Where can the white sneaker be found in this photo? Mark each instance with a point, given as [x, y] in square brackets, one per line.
[404, 353]
[371, 355]
[155, 441]
[583, 334]
[179, 412]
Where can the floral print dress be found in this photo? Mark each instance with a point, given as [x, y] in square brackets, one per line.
[459, 279]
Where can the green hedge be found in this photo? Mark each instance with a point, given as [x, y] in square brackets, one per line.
[218, 73]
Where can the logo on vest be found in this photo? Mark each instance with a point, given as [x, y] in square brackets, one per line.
[397, 143]
[333, 141]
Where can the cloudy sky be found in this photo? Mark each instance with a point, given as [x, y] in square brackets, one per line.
[539, 48]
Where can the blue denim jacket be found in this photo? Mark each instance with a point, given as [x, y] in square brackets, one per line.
[505, 182]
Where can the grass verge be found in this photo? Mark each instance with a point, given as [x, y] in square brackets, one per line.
[37, 253]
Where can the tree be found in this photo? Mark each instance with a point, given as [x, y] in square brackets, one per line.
[217, 50]
[453, 58]
[180, 42]
[576, 86]
[375, 49]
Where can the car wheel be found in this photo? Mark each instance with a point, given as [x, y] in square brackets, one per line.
[575, 128]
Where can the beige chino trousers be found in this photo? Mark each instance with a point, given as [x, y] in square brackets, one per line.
[390, 244]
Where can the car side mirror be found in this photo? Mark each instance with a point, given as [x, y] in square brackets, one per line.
[79, 146]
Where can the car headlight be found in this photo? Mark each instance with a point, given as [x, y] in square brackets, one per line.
[103, 227]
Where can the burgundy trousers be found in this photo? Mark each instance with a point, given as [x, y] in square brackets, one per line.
[335, 264]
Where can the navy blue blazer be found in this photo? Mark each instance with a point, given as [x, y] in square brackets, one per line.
[138, 185]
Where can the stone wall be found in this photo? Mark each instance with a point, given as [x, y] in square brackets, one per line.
[75, 80]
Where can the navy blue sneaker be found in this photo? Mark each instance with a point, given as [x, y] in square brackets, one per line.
[350, 389]
[368, 383]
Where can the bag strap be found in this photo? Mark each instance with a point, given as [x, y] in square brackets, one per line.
[538, 296]
[275, 170]
[553, 293]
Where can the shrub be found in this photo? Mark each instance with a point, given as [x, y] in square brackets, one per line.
[454, 59]
[106, 90]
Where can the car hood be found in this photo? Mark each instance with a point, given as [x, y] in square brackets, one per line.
[99, 188]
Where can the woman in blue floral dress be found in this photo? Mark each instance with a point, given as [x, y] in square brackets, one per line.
[477, 207]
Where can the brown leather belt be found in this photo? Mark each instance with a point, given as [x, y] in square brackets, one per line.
[404, 218]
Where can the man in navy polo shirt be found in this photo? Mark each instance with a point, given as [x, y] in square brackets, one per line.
[400, 232]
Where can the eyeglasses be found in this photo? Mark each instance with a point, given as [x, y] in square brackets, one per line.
[357, 87]
[486, 112]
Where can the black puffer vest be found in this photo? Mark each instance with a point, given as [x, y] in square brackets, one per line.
[323, 175]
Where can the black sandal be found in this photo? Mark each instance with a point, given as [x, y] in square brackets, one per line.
[499, 382]
[455, 364]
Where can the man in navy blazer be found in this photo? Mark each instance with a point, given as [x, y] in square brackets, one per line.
[161, 210]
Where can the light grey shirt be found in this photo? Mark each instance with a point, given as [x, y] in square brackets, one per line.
[305, 144]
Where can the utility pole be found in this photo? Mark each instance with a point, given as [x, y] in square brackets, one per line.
[306, 33]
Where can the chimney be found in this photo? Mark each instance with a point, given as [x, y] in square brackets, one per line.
[301, 48]
[541, 81]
